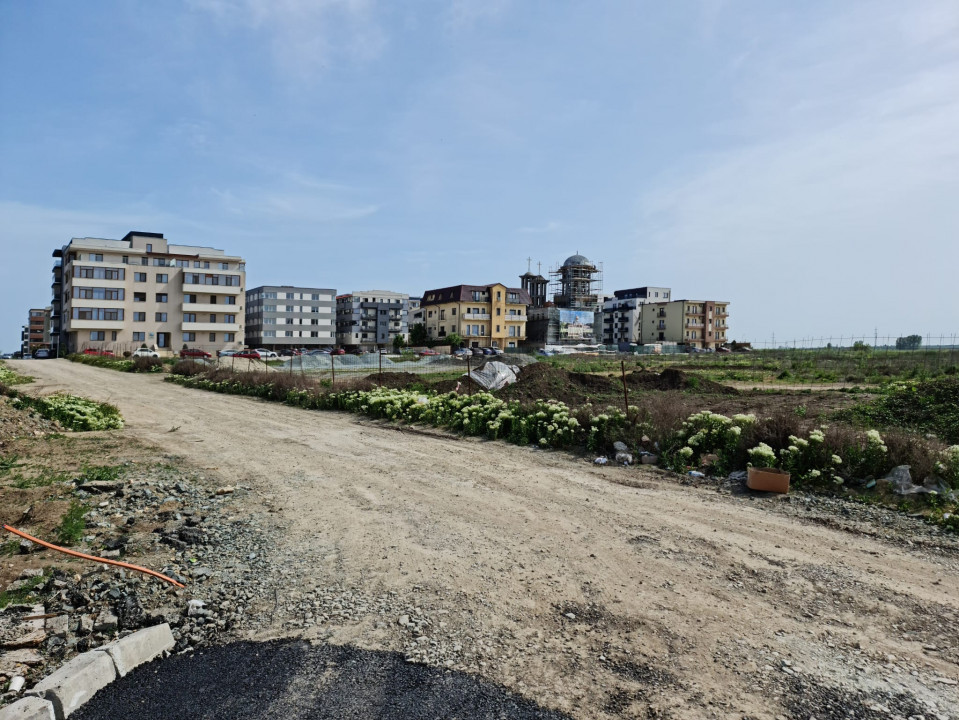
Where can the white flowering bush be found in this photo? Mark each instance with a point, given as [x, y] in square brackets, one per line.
[605, 428]
[869, 457]
[808, 459]
[708, 433]
[75, 413]
[762, 456]
[948, 466]
[8, 377]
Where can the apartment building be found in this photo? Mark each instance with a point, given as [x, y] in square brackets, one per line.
[483, 315]
[695, 323]
[283, 316]
[371, 319]
[621, 313]
[120, 294]
[38, 329]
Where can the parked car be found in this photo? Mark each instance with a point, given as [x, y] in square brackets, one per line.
[461, 352]
[248, 354]
[723, 350]
[225, 353]
[102, 353]
[42, 354]
[476, 350]
[267, 354]
[489, 351]
[339, 351]
[197, 353]
[428, 351]
[314, 353]
[290, 352]
[145, 352]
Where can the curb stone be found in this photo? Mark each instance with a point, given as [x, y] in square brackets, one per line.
[59, 694]
[29, 708]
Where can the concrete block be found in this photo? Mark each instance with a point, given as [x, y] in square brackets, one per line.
[31, 708]
[76, 682]
[140, 647]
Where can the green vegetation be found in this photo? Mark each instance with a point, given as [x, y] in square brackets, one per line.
[929, 406]
[99, 473]
[72, 525]
[73, 412]
[134, 364]
[45, 478]
[24, 594]
[9, 463]
[8, 377]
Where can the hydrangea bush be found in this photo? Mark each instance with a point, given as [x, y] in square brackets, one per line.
[708, 433]
[75, 413]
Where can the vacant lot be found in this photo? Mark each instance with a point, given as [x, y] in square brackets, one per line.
[603, 592]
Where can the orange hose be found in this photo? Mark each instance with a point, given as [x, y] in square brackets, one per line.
[154, 573]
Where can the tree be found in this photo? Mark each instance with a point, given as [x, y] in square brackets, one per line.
[454, 340]
[398, 344]
[910, 342]
[861, 346]
[418, 334]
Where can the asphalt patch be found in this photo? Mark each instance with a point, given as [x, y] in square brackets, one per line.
[293, 679]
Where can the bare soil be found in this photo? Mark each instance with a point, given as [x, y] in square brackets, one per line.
[602, 592]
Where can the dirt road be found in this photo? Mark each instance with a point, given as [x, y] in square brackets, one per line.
[598, 591]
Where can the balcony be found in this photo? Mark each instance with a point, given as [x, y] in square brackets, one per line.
[96, 324]
[207, 308]
[515, 318]
[211, 327]
[194, 288]
[476, 316]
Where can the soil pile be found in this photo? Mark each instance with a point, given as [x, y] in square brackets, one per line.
[673, 379]
[392, 380]
[542, 381]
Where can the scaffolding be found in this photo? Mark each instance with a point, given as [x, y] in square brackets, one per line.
[577, 284]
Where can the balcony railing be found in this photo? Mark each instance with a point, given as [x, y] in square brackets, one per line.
[476, 316]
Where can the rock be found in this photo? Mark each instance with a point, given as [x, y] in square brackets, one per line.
[31, 573]
[85, 625]
[194, 608]
[27, 546]
[404, 620]
[102, 486]
[225, 490]
[12, 658]
[58, 626]
[110, 554]
[571, 616]
[106, 622]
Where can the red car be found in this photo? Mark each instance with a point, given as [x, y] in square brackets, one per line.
[194, 352]
[250, 354]
[428, 352]
[338, 351]
[94, 351]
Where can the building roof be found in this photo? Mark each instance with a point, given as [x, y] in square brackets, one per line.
[576, 260]
[463, 293]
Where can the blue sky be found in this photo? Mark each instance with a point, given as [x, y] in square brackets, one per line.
[800, 160]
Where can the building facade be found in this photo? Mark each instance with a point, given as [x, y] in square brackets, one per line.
[694, 323]
[143, 290]
[282, 316]
[370, 319]
[38, 329]
[482, 315]
[621, 324]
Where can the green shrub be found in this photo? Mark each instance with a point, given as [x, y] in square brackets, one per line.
[146, 364]
[72, 525]
[73, 412]
[8, 377]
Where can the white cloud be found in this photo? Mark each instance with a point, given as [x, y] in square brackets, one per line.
[305, 35]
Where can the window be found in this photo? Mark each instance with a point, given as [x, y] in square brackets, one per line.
[269, 321]
[212, 318]
[183, 263]
[139, 277]
[498, 311]
[99, 273]
[144, 261]
[162, 297]
[139, 336]
[229, 300]
[269, 333]
[314, 296]
[88, 293]
[109, 314]
[453, 312]
[98, 335]
[189, 299]
[212, 299]
[113, 335]
[211, 279]
[139, 317]
[160, 262]
[289, 308]
[314, 309]
[269, 308]
[98, 257]
[512, 297]
[189, 317]
[224, 266]
[160, 317]
[149, 247]
[497, 328]
[139, 297]
[212, 337]
[163, 277]
[228, 319]
[126, 260]
[499, 295]
[189, 337]
[228, 337]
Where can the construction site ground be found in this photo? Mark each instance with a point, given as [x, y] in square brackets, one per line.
[599, 592]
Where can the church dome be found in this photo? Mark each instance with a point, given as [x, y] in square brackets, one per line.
[576, 260]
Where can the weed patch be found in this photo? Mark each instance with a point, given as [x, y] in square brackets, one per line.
[72, 524]
[73, 412]
[22, 594]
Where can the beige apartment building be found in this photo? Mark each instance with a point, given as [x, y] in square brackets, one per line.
[695, 323]
[120, 294]
[483, 315]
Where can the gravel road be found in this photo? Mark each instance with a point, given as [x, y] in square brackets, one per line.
[594, 591]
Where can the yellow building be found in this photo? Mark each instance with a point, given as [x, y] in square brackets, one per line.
[695, 323]
[483, 315]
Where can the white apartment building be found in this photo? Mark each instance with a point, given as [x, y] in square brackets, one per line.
[120, 294]
[621, 313]
[282, 316]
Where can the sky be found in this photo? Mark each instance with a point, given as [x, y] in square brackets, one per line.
[799, 160]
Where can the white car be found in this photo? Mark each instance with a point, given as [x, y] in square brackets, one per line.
[267, 354]
[145, 352]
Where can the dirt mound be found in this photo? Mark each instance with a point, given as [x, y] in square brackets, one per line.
[392, 380]
[673, 379]
[542, 381]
